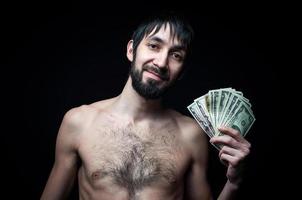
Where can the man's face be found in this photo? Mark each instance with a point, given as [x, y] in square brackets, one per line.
[156, 64]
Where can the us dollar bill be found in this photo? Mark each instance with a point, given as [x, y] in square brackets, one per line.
[222, 107]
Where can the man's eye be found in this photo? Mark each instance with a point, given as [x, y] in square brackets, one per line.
[177, 56]
[153, 46]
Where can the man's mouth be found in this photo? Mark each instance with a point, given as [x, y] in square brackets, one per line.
[156, 74]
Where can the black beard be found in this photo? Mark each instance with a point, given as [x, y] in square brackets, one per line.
[150, 89]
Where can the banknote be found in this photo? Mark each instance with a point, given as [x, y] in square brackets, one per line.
[222, 107]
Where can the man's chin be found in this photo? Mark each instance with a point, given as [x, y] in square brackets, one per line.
[150, 91]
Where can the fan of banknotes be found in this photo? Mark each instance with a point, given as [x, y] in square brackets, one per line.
[222, 107]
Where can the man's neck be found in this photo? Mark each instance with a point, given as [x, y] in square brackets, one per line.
[136, 107]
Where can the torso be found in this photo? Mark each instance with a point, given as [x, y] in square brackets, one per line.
[147, 160]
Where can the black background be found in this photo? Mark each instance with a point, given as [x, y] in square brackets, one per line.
[57, 56]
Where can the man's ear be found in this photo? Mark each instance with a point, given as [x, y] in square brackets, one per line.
[130, 50]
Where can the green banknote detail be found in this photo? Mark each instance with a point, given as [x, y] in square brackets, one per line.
[242, 120]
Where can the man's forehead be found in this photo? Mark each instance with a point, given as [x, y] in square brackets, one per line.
[165, 33]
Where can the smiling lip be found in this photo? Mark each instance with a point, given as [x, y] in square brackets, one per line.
[154, 75]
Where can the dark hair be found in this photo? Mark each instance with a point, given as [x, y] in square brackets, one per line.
[180, 28]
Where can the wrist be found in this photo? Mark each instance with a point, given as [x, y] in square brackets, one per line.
[233, 185]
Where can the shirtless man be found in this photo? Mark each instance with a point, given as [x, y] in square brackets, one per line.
[132, 147]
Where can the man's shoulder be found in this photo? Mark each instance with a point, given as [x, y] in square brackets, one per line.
[77, 114]
[185, 122]
[190, 130]
[85, 113]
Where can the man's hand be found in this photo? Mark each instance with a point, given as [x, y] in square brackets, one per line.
[235, 149]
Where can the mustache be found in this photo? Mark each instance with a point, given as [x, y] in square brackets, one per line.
[161, 72]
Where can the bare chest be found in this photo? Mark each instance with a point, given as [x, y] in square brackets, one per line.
[133, 158]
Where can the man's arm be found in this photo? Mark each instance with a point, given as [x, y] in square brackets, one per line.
[197, 187]
[233, 153]
[64, 170]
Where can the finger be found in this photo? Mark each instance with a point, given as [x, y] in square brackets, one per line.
[228, 150]
[238, 155]
[225, 140]
[231, 160]
[233, 133]
[228, 143]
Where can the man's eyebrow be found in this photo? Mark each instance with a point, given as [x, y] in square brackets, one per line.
[156, 39]
[178, 48]
[174, 48]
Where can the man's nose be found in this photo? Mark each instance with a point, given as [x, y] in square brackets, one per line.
[161, 60]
